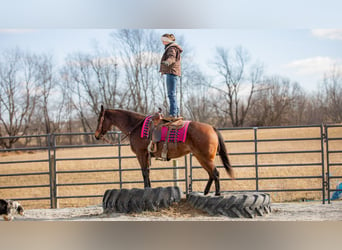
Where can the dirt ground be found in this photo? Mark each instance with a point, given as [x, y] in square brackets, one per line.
[305, 211]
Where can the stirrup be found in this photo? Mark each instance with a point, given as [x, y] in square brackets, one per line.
[152, 147]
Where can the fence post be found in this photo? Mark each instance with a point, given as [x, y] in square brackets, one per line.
[189, 174]
[328, 162]
[324, 181]
[53, 181]
[256, 158]
[52, 166]
[186, 174]
[120, 160]
[175, 172]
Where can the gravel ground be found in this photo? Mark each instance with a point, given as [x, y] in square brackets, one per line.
[305, 211]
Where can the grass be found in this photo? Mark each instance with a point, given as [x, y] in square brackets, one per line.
[242, 162]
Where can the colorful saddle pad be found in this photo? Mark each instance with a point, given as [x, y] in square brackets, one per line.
[176, 135]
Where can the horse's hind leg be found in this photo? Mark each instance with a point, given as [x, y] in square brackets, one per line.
[214, 175]
[217, 182]
[207, 187]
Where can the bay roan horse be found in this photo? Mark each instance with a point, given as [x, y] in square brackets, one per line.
[202, 140]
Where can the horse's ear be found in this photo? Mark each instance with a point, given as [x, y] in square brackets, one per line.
[101, 109]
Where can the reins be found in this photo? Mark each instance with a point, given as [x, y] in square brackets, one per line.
[107, 140]
[130, 132]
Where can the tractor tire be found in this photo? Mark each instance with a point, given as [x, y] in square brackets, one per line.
[235, 205]
[137, 200]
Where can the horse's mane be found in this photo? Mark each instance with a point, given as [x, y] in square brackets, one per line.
[131, 113]
[126, 111]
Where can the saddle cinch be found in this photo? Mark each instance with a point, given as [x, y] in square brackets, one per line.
[161, 129]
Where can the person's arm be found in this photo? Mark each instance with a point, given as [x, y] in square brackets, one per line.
[171, 54]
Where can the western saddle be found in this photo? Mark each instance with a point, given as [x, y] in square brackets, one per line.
[156, 123]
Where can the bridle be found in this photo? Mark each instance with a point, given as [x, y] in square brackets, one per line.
[101, 136]
[99, 130]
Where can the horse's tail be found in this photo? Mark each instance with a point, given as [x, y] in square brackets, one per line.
[222, 150]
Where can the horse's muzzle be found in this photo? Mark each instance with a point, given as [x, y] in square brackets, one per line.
[97, 135]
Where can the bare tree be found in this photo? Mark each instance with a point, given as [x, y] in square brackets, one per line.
[87, 81]
[46, 83]
[239, 81]
[106, 74]
[140, 55]
[332, 95]
[277, 103]
[77, 79]
[198, 101]
[17, 94]
[314, 112]
[299, 106]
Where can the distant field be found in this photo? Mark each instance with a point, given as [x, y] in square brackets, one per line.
[242, 164]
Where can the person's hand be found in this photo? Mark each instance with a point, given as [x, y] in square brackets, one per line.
[166, 63]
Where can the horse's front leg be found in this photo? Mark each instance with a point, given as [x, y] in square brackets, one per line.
[144, 164]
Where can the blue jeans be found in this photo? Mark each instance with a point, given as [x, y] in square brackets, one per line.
[171, 83]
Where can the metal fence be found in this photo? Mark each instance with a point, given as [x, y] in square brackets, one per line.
[257, 164]
[322, 149]
[333, 137]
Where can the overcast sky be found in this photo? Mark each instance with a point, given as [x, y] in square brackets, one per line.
[300, 40]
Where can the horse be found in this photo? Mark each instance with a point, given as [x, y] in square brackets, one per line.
[203, 141]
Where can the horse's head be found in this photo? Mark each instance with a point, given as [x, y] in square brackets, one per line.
[103, 124]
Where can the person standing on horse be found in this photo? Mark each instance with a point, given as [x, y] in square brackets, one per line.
[170, 66]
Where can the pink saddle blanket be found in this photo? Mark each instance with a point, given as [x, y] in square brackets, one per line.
[176, 135]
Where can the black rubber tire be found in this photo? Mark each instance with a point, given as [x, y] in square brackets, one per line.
[137, 200]
[235, 205]
[109, 200]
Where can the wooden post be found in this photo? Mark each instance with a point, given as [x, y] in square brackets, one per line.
[53, 182]
[175, 172]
